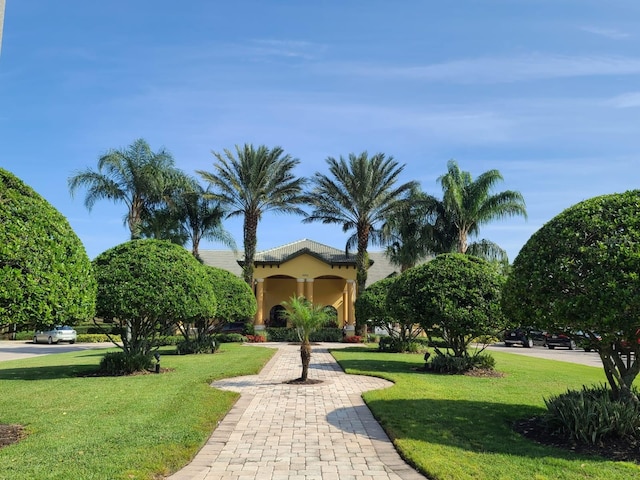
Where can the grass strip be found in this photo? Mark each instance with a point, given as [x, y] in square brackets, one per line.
[135, 427]
[453, 427]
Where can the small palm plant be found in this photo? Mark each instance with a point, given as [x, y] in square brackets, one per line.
[306, 319]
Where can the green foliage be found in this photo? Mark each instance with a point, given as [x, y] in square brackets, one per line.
[135, 176]
[229, 338]
[397, 345]
[121, 363]
[236, 301]
[375, 308]
[305, 317]
[458, 294]
[580, 272]
[197, 345]
[450, 364]
[45, 274]
[252, 182]
[360, 194]
[148, 285]
[592, 415]
[279, 334]
[96, 338]
[371, 305]
[469, 203]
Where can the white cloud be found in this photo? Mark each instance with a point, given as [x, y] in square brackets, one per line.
[503, 69]
[606, 32]
[626, 100]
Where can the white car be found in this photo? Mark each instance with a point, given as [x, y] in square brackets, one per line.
[55, 335]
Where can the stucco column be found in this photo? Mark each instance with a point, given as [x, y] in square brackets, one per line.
[258, 322]
[310, 289]
[300, 288]
[345, 306]
[351, 291]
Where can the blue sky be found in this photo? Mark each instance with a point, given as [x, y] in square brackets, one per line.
[545, 91]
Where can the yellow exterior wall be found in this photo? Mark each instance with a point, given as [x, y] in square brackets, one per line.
[316, 279]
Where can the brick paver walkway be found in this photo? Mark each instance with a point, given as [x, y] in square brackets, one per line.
[277, 431]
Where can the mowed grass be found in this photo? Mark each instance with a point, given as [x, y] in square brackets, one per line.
[136, 427]
[459, 427]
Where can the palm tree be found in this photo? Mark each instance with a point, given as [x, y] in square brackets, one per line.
[136, 176]
[189, 216]
[306, 318]
[468, 204]
[412, 231]
[361, 195]
[251, 183]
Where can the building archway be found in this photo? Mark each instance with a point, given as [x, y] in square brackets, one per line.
[277, 318]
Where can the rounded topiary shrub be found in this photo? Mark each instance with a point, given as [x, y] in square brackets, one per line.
[45, 273]
[119, 363]
[148, 287]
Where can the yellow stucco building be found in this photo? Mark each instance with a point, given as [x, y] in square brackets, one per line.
[324, 275]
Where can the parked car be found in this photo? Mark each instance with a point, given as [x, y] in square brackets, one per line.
[525, 336]
[55, 335]
[561, 340]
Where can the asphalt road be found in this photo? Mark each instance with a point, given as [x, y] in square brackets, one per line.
[12, 350]
[591, 359]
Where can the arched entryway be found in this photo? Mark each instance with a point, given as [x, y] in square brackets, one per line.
[277, 317]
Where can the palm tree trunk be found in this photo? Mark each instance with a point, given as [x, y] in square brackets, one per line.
[462, 242]
[305, 355]
[250, 242]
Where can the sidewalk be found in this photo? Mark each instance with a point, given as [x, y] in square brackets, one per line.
[278, 431]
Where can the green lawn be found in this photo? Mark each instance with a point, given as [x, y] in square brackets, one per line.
[135, 427]
[458, 427]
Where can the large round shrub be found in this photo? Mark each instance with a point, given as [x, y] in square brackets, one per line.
[45, 274]
[581, 271]
[236, 301]
[459, 295]
[148, 286]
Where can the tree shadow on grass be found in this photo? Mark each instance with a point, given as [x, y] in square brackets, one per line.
[47, 372]
[475, 426]
[387, 363]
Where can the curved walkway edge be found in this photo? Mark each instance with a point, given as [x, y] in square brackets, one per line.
[277, 431]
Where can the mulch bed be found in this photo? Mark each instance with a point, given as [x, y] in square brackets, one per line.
[10, 434]
[615, 449]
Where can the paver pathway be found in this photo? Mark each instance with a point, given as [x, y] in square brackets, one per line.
[277, 431]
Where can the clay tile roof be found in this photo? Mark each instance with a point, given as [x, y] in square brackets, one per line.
[330, 255]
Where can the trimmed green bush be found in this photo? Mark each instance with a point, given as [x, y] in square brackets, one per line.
[121, 363]
[97, 338]
[197, 345]
[229, 338]
[45, 273]
[148, 286]
[592, 415]
[444, 363]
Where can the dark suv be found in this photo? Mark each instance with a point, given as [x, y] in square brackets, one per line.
[525, 336]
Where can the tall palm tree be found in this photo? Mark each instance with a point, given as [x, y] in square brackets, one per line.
[412, 232]
[468, 203]
[255, 181]
[306, 318]
[189, 216]
[135, 176]
[361, 194]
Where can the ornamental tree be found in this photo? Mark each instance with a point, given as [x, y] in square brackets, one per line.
[306, 318]
[148, 286]
[373, 307]
[45, 274]
[454, 294]
[581, 271]
[236, 302]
